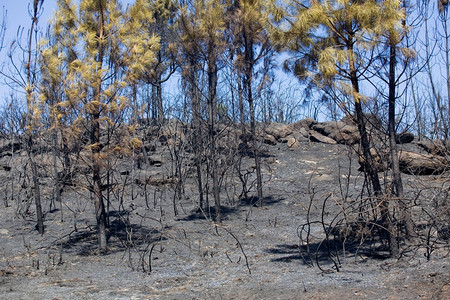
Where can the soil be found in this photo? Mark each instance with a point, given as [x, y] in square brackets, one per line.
[253, 254]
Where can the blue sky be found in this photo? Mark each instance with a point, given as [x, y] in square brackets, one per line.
[17, 16]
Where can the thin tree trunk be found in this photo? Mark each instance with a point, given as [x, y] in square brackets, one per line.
[212, 103]
[154, 103]
[436, 95]
[241, 108]
[418, 111]
[446, 121]
[56, 175]
[249, 61]
[100, 212]
[30, 110]
[369, 163]
[361, 121]
[160, 102]
[256, 154]
[405, 212]
[197, 136]
[365, 145]
[13, 179]
[37, 189]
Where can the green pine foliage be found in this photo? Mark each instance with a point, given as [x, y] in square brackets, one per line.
[329, 40]
[94, 53]
[93, 72]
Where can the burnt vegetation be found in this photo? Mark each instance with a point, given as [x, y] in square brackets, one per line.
[161, 131]
[158, 181]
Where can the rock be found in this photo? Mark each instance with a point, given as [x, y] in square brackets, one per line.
[154, 181]
[381, 160]
[339, 131]
[279, 130]
[272, 160]
[292, 143]
[327, 128]
[373, 121]
[300, 137]
[305, 132]
[410, 162]
[155, 160]
[6, 147]
[421, 164]
[404, 138]
[163, 138]
[304, 124]
[444, 233]
[270, 139]
[317, 137]
[348, 135]
[227, 131]
[5, 167]
[435, 147]
[150, 147]
[174, 142]
[172, 131]
[148, 177]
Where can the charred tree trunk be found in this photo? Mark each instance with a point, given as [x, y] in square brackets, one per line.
[398, 184]
[154, 103]
[160, 102]
[360, 120]
[249, 64]
[446, 120]
[197, 142]
[241, 108]
[30, 78]
[157, 101]
[100, 211]
[37, 189]
[370, 167]
[212, 104]
[57, 178]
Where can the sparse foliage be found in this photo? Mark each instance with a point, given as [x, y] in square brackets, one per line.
[98, 49]
[102, 124]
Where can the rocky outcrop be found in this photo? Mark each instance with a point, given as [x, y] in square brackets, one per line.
[306, 123]
[279, 130]
[421, 164]
[270, 139]
[414, 163]
[420, 157]
[7, 147]
[318, 137]
[435, 147]
[339, 131]
[380, 158]
[404, 138]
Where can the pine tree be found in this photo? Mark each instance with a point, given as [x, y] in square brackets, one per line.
[395, 35]
[252, 46]
[100, 50]
[332, 43]
[164, 12]
[202, 24]
[33, 109]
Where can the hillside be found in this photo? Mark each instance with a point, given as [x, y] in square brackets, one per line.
[306, 242]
